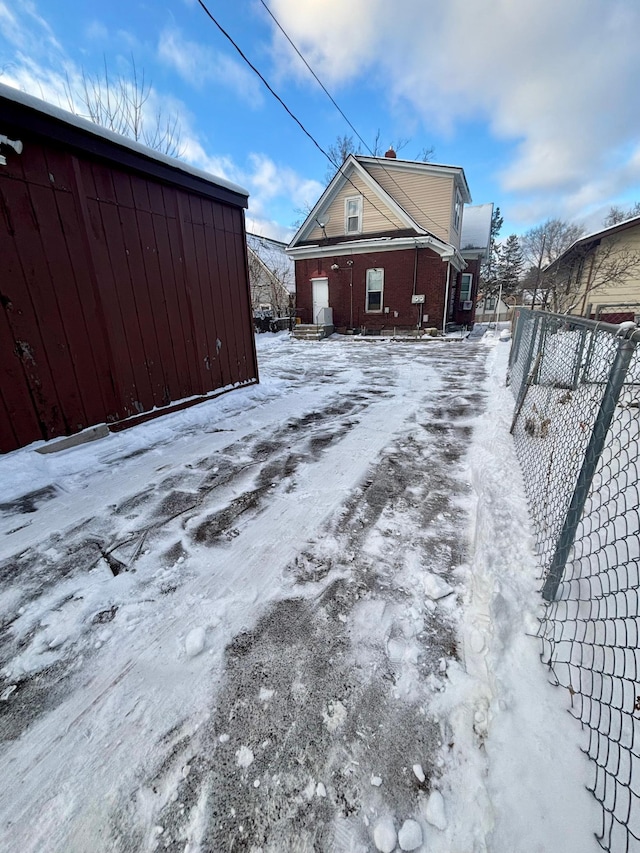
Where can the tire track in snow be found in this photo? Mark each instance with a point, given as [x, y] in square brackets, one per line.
[138, 711]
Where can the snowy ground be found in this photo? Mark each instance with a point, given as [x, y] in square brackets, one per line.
[293, 618]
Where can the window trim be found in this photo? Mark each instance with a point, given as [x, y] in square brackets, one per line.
[367, 291]
[358, 200]
[468, 298]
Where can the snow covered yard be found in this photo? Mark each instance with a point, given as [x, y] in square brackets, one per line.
[291, 619]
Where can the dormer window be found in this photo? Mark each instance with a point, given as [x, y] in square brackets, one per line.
[353, 215]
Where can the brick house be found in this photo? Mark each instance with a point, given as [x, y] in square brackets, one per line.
[598, 275]
[381, 249]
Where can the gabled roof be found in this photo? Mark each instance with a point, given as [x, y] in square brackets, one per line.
[377, 195]
[596, 237]
[381, 199]
[423, 168]
[476, 228]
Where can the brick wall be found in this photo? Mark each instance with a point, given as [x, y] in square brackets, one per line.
[457, 314]
[348, 302]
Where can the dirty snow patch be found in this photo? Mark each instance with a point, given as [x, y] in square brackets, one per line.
[335, 715]
[194, 642]
[418, 772]
[435, 812]
[410, 835]
[436, 588]
[384, 835]
[244, 757]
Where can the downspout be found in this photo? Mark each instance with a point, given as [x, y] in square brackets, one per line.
[446, 299]
[351, 296]
[415, 279]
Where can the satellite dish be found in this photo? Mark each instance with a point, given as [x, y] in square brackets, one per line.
[323, 219]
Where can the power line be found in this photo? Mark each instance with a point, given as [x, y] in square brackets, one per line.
[295, 118]
[318, 80]
[328, 94]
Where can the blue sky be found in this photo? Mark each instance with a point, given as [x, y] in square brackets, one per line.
[537, 100]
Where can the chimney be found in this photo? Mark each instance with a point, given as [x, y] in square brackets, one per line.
[391, 154]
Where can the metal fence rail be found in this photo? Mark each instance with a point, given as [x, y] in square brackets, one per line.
[576, 429]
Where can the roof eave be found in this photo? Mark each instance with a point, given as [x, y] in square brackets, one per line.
[379, 244]
[53, 123]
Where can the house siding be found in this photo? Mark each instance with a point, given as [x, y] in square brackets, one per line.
[629, 290]
[398, 268]
[121, 294]
[374, 219]
[426, 198]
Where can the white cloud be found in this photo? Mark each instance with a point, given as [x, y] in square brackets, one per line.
[35, 33]
[199, 65]
[47, 72]
[271, 180]
[268, 228]
[96, 31]
[558, 79]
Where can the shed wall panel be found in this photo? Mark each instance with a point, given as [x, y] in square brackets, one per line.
[118, 294]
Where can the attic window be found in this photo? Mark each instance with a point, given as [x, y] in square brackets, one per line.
[353, 215]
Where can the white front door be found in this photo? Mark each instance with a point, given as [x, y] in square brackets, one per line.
[320, 291]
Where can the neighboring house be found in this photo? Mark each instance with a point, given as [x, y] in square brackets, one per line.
[124, 289]
[381, 249]
[490, 309]
[598, 275]
[271, 277]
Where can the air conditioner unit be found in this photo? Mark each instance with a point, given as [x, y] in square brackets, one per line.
[467, 306]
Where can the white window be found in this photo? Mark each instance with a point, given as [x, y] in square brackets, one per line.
[457, 211]
[375, 286]
[465, 287]
[353, 215]
[490, 303]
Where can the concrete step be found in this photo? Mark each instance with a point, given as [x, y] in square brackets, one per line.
[311, 332]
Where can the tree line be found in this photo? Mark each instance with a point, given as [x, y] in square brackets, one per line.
[518, 265]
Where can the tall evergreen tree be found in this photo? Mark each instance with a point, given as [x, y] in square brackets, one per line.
[490, 266]
[510, 266]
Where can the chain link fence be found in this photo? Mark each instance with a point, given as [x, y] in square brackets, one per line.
[576, 429]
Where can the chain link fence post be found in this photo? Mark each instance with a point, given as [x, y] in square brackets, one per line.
[610, 399]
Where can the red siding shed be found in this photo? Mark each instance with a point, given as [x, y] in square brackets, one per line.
[123, 278]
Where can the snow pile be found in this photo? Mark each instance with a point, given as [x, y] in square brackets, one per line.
[519, 799]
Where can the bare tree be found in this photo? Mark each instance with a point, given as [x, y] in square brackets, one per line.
[345, 145]
[270, 276]
[619, 214]
[541, 246]
[426, 154]
[595, 267]
[544, 243]
[121, 104]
